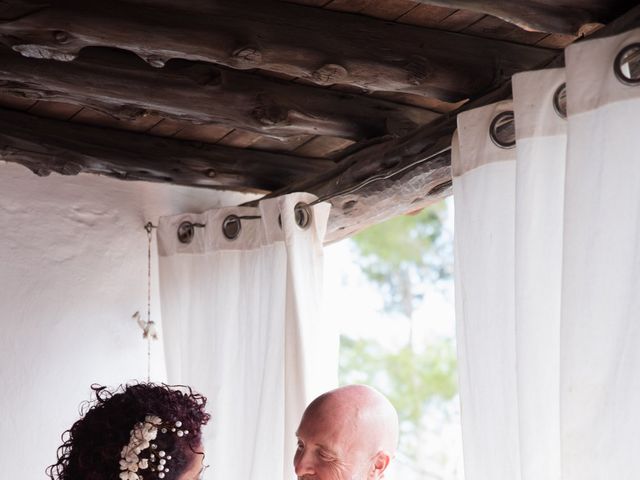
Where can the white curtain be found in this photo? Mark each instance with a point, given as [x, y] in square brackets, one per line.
[242, 324]
[484, 193]
[548, 276]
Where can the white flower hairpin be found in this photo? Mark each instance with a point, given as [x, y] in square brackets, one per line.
[141, 439]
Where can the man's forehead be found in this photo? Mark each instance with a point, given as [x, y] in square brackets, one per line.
[332, 405]
[318, 424]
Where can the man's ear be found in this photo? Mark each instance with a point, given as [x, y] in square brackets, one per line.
[380, 464]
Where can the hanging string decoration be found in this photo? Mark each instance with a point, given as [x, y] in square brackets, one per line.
[148, 326]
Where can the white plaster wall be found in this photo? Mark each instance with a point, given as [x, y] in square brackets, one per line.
[73, 259]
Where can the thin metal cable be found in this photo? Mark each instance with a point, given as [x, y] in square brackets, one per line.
[355, 188]
[376, 178]
[149, 304]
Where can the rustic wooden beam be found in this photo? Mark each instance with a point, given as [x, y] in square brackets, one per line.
[320, 46]
[415, 169]
[123, 86]
[399, 187]
[45, 146]
[561, 16]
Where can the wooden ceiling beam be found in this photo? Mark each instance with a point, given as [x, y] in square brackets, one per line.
[45, 146]
[125, 87]
[413, 171]
[553, 16]
[320, 46]
[402, 188]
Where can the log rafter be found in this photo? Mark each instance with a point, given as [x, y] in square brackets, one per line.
[320, 46]
[406, 189]
[126, 87]
[45, 145]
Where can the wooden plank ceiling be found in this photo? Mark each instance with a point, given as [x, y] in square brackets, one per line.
[268, 96]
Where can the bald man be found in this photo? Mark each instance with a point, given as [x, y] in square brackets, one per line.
[350, 433]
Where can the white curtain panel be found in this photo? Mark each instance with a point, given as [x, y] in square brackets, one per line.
[540, 175]
[547, 276]
[600, 332]
[484, 195]
[242, 324]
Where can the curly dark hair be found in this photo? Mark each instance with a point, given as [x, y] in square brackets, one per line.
[91, 447]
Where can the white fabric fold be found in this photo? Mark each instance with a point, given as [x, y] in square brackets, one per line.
[600, 332]
[541, 144]
[484, 192]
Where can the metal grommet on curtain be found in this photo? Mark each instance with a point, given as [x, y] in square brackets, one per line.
[303, 215]
[231, 227]
[186, 231]
[626, 65]
[560, 101]
[502, 130]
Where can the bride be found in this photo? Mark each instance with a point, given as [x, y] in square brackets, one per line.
[136, 432]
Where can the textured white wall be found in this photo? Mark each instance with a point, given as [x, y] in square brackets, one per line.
[72, 272]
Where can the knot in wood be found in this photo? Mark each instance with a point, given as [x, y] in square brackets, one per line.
[438, 189]
[329, 74]
[155, 61]
[348, 205]
[61, 37]
[269, 115]
[418, 70]
[248, 55]
[41, 171]
[204, 74]
[13, 88]
[70, 168]
[399, 126]
[130, 112]
[211, 173]
[42, 52]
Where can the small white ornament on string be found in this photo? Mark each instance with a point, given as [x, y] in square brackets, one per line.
[148, 326]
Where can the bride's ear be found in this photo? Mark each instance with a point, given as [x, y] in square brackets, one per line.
[380, 464]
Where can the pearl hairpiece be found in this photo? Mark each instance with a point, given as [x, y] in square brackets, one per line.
[142, 436]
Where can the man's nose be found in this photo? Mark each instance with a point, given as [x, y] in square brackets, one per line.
[303, 464]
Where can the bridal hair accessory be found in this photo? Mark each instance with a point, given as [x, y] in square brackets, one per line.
[142, 436]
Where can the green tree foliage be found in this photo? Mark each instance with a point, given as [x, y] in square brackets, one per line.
[401, 257]
[410, 380]
[402, 254]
